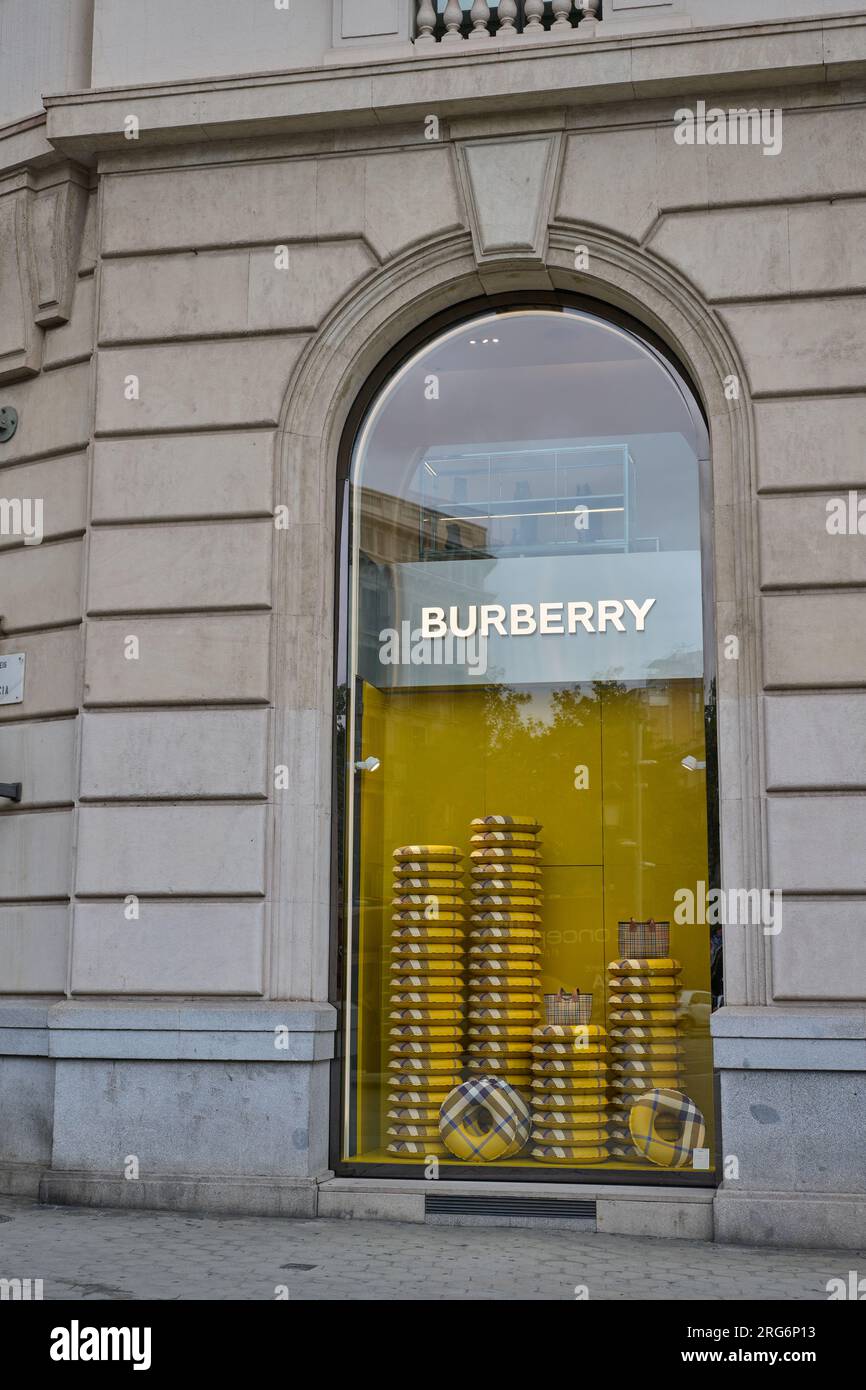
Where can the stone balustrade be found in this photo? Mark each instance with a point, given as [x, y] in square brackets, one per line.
[506, 20]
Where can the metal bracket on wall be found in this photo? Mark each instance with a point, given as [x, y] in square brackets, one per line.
[8, 422]
[10, 791]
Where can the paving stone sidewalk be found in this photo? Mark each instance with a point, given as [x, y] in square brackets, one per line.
[89, 1254]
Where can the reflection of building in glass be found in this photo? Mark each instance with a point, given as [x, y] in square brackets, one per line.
[395, 530]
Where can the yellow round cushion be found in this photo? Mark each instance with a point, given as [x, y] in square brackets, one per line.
[647, 1034]
[652, 965]
[484, 1119]
[428, 1098]
[633, 1000]
[500, 835]
[661, 1110]
[489, 901]
[514, 1068]
[580, 1120]
[416, 999]
[504, 1016]
[644, 1066]
[505, 823]
[644, 982]
[643, 1016]
[507, 982]
[506, 999]
[424, 883]
[415, 1115]
[555, 1104]
[624, 1051]
[569, 1066]
[429, 933]
[427, 852]
[569, 1085]
[409, 1148]
[504, 932]
[573, 1050]
[415, 1131]
[415, 1081]
[520, 965]
[409, 915]
[596, 1134]
[427, 869]
[498, 1048]
[411, 1032]
[491, 1032]
[428, 1055]
[523, 880]
[514, 854]
[570, 1030]
[568, 1153]
[512, 952]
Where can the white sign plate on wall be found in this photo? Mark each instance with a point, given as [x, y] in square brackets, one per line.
[12, 678]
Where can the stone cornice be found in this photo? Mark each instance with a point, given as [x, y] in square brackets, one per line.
[687, 63]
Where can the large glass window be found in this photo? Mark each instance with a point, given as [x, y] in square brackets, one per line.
[524, 737]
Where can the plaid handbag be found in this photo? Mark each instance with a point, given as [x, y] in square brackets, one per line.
[643, 940]
[568, 1008]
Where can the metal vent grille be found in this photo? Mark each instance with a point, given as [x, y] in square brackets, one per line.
[532, 1208]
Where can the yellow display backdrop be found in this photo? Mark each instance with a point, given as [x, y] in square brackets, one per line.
[624, 826]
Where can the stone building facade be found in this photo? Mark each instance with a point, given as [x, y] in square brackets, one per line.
[165, 897]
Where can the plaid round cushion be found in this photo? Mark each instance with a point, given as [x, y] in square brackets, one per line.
[484, 1119]
[667, 1109]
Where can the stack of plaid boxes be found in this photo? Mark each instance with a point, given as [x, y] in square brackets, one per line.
[569, 1085]
[428, 960]
[504, 947]
[646, 1048]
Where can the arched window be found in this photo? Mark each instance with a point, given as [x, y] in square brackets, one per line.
[526, 756]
